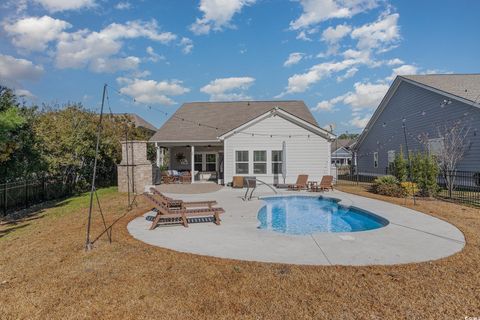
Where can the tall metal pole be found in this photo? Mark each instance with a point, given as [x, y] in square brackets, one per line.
[88, 243]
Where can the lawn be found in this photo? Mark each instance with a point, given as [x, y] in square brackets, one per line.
[46, 274]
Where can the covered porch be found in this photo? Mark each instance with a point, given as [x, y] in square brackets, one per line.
[202, 161]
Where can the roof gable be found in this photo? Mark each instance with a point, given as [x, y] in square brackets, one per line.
[453, 83]
[205, 121]
[315, 129]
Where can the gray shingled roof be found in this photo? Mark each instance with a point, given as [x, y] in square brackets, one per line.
[337, 144]
[139, 121]
[466, 86]
[225, 116]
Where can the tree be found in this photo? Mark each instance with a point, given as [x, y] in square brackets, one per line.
[347, 135]
[11, 121]
[424, 173]
[400, 167]
[453, 146]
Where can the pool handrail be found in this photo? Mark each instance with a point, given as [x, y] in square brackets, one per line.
[248, 179]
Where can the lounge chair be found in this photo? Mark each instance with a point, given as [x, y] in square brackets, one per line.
[301, 183]
[168, 177]
[325, 184]
[171, 216]
[180, 204]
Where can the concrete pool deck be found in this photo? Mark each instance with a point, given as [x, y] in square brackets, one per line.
[410, 236]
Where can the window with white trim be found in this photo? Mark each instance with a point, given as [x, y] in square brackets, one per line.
[435, 146]
[375, 159]
[210, 162]
[198, 162]
[260, 162]
[241, 162]
[391, 156]
[277, 163]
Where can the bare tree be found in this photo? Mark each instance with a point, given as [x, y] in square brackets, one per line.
[452, 145]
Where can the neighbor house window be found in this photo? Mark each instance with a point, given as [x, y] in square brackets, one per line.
[210, 162]
[259, 162]
[435, 146]
[241, 162]
[375, 159]
[391, 156]
[277, 159]
[198, 162]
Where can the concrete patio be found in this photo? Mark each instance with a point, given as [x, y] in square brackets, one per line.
[410, 236]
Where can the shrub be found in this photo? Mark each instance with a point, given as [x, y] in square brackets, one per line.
[409, 188]
[388, 186]
[399, 167]
[425, 172]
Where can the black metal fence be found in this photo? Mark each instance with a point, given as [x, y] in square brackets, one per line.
[459, 186]
[22, 194]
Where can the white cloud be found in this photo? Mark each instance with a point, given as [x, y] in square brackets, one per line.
[333, 35]
[377, 35]
[151, 91]
[293, 58]
[365, 96]
[110, 65]
[13, 71]
[316, 11]
[406, 69]
[34, 33]
[301, 82]
[359, 122]
[347, 75]
[153, 56]
[187, 45]
[91, 48]
[228, 88]
[217, 14]
[393, 62]
[63, 5]
[123, 5]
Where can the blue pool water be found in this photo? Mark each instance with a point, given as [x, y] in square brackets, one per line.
[307, 215]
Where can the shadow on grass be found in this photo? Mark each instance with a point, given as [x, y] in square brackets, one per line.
[7, 231]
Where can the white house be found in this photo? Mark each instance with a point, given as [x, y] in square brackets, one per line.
[220, 140]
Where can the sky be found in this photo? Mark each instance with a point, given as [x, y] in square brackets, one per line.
[338, 56]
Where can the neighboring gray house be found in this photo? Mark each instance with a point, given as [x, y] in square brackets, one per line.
[426, 104]
[341, 152]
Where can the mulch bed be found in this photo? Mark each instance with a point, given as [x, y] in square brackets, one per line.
[46, 274]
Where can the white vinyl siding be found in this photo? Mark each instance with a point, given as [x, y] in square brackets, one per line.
[305, 155]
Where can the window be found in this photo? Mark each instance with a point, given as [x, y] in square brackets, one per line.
[435, 146]
[259, 162]
[375, 159]
[391, 156]
[198, 162]
[277, 159]
[210, 162]
[241, 162]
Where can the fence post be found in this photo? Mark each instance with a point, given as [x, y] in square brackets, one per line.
[26, 193]
[5, 206]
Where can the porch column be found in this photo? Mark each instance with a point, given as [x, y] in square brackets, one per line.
[159, 155]
[192, 162]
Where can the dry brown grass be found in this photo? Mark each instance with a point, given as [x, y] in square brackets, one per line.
[45, 274]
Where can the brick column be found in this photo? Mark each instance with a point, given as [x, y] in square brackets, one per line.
[135, 173]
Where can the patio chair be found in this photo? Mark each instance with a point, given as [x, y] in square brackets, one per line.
[167, 177]
[301, 183]
[185, 177]
[325, 184]
[237, 182]
[180, 204]
[168, 216]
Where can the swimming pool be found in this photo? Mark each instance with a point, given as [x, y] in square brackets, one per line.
[307, 215]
